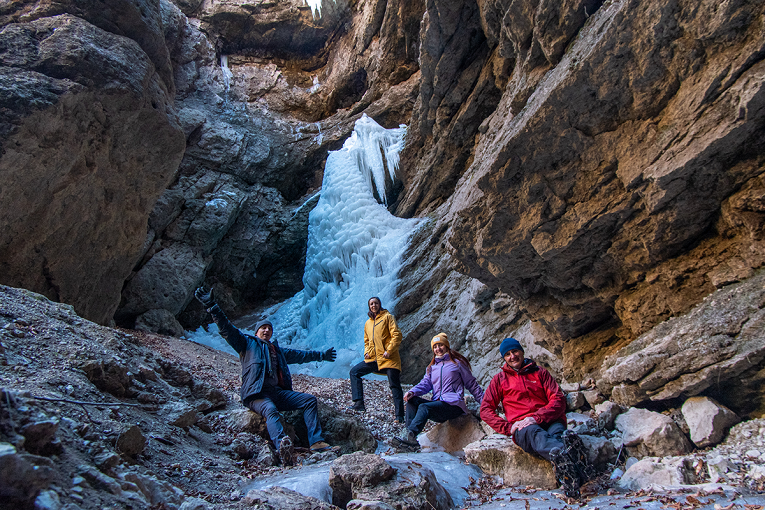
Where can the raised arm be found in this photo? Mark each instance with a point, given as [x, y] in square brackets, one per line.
[230, 334]
[295, 356]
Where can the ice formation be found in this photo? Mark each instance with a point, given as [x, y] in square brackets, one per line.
[354, 252]
[227, 74]
[315, 6]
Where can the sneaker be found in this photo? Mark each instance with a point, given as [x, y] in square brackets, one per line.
[286, 451]
[575, 450]
[565, 472]
[320, 446]
[400, 419]
[358, 405]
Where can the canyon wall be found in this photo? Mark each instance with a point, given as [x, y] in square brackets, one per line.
[590, 172]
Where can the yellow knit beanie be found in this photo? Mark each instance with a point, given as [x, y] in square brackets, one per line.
[439, 338]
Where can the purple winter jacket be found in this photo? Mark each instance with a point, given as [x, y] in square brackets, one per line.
[448, 380]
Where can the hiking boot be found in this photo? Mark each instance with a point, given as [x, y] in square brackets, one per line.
[565, 472]
[407, 441]
[574, 449]
[358, 405]
[286, 451]
[400, 419]
[320, 446]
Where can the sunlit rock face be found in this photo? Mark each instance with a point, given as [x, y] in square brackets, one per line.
[616, 181]
[79, 94]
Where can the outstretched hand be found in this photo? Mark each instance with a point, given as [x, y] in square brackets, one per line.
[329, 354]
[205, 297]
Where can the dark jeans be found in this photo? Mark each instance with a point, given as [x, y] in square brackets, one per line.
[535, 439]
[270, 401]
[394, 381]
[419, 411]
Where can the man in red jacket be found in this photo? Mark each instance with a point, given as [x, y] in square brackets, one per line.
[535, 415]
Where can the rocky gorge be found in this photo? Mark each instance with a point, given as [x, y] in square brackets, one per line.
[588, 176]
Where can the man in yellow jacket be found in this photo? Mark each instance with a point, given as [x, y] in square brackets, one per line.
[381, 341]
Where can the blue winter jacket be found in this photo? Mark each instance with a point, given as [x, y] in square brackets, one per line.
[256, 361]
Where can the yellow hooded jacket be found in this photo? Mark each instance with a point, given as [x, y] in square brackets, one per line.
[380, 335]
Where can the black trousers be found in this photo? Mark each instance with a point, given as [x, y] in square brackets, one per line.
[419, 411]
[394, 382]
[536, 439]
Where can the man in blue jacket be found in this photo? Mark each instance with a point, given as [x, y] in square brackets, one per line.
[266, 381]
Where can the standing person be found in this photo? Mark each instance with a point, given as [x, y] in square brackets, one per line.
[535, 415]
[266, 381]
[447, 376]
[381, 341]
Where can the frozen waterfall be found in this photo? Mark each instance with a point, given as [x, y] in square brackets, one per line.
[354, 252]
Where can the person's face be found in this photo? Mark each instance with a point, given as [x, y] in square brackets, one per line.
[265, 331]
[514, 358]
[374, 306]
[440, 349]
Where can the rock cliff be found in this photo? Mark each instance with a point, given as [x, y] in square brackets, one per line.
[588, 170]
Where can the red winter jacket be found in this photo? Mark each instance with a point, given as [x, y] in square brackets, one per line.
[530, 392]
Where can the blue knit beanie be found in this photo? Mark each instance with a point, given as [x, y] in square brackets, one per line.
[509, 344]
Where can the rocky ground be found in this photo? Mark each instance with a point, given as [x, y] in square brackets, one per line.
[97, 417]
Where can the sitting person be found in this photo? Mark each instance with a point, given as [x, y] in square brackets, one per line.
[535, 416]
[447, 376]
[266, 381]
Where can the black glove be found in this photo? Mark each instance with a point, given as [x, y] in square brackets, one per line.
[205, 297]
[329, 355]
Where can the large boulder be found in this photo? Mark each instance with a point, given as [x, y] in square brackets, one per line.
[669, 472]
[354, 471]
[76, 194]
[649, 434]
[402, 484]
[498, 455]
[707, 420]
[454, 435]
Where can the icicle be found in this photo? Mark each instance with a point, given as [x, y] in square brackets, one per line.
[227, 74]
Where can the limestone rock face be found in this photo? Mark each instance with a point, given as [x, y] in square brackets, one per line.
[264, 91]
[649, 434]
[719, 343]
[498, 455]
[603, 198]
[574, 244]
[707, 420]
[75, 192]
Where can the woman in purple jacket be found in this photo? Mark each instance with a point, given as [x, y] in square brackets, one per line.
[447, 376]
